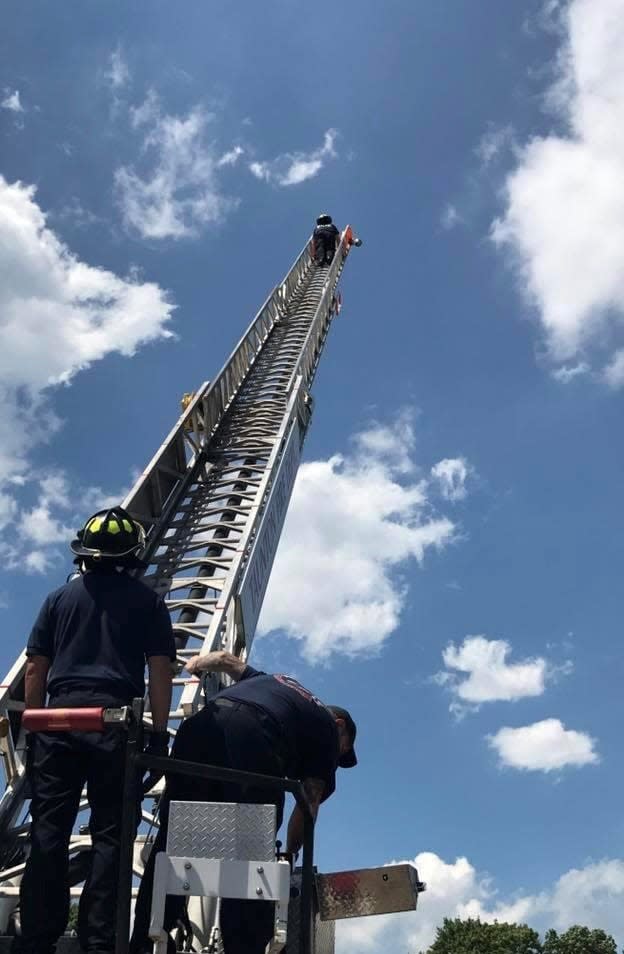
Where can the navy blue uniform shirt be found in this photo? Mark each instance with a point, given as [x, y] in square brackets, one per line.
[98, 631]
[328, 233]
[308, 731]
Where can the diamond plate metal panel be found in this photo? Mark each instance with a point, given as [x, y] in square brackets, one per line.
[353, 894]
[221, 830]
[323, 936]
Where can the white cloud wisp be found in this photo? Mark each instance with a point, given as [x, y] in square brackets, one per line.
[451, 475]
[564, 215]
[11, 101]
[118, 74]
[293, 168]
[354, 524]
[177, 193]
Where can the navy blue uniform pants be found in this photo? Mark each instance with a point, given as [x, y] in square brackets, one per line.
[235, 736]
[324, 249]
[59, 765]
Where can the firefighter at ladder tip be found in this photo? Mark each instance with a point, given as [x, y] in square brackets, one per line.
[262, 723]
[326, 239]
[89, 647]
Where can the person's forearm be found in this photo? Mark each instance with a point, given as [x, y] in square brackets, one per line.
[35, 682]
[218, 661]
[294, 835]
[314, 789]
[160, 676]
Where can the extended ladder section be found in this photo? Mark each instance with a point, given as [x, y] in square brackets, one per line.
[213, 501]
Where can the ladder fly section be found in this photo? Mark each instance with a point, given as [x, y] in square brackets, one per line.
[213, 502]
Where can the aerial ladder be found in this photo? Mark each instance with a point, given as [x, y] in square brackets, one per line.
[212, 500]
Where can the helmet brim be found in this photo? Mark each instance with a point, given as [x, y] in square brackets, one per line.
[130, 560]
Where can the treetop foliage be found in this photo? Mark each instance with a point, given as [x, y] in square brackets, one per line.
[472, 936]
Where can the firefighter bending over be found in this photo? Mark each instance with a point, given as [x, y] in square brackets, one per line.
[89, 647]
[326, 238]
[268, 724]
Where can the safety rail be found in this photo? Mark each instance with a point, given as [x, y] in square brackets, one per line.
[306, 366]
[130, 718]
[238, 633]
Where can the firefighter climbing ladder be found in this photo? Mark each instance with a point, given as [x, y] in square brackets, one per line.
[213, 501]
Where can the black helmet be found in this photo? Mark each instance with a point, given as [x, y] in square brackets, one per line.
[324, 219]
[112, 536]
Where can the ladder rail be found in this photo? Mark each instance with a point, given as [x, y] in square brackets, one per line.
[213, 398]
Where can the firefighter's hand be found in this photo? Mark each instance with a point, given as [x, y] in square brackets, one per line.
[208, 662]
[158, 746]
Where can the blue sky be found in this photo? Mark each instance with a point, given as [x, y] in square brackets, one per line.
[451, 564]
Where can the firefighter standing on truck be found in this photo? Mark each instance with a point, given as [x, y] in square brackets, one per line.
[269, 724]
[89, 647]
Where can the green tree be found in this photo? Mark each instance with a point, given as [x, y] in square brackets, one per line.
[579, 940]
[476, 937]
[72, 923]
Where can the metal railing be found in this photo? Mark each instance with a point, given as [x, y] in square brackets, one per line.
[137, 763]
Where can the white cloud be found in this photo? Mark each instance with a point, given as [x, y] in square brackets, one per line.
[37, 561]
[39, 526]
[292, 168]
[353, 526]
[55, 490]
[545, 746]
[118, 74]
[76, 213]
[8, 510]
[567, 373]
[57, 316]
[614, 370]
[451, 475]
[564, 215]
[11, 101]
[391, 445]
[487, 676]
[493, 142]
[231, 157]
[450, 218]
[593, 896]
[178, 193]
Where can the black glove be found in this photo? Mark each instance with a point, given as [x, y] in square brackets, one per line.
[158, 746]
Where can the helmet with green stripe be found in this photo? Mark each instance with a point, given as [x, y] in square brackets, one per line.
[111, 535]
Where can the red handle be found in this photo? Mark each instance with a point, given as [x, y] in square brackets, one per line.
[63, 720]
